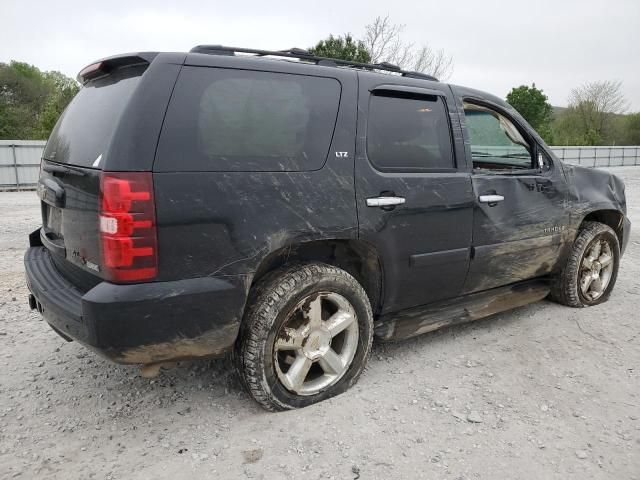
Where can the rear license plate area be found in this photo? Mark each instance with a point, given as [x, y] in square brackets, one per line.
[53, 221]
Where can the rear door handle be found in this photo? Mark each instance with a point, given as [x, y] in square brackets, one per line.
[385, 201]
[490, 198]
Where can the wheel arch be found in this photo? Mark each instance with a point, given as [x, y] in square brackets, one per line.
[612, 218]
[357, 257]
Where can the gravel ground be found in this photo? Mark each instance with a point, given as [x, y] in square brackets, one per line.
[543, 391]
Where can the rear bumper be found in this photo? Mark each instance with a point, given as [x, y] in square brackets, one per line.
[139, 323]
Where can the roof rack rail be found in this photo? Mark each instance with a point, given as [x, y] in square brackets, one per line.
[302, 54]
[423, 76]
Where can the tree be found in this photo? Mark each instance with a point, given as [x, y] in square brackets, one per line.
[533, 105]
[63, 91]
[631, 129]
[342, 47]
[31, 101]
[592, 110]
[23, 93]
[567, 132]
[383, 43]
[383, 40]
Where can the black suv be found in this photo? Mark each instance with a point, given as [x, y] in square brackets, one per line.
[287, 208]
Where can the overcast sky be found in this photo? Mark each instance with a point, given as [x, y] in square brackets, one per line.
[495, 44]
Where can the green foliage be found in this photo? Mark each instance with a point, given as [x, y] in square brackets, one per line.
[567, 130]
[594, 116]
[571, 129]
[31, 101]
[631, 129]
[534, 106]
[342, 47]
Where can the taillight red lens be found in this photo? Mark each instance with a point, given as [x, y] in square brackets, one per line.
[128, 226]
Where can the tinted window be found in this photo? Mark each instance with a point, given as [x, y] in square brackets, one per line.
[496, 143]
[408, 133]
[223, 119]
[85, 129]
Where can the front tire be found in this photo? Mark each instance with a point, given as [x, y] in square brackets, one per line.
[306, 336]
[591, 269]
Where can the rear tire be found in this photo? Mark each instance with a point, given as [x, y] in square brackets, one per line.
[306, 336]
[591, 269]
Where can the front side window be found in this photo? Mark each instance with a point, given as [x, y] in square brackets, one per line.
[496, 143]
[408, 133]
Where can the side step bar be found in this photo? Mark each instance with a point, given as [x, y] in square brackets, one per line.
[427, 318]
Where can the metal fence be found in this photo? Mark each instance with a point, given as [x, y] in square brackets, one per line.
[20, 162]
[20, 159]
[599, 156]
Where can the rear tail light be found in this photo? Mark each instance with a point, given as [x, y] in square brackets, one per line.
[128, 226]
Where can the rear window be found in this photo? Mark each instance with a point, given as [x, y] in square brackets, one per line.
[85, 128]
[241, 120]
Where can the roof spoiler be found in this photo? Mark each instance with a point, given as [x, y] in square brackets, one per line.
[105, 66]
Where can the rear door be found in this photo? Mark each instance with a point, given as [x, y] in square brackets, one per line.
[520, 216]
[414, 198]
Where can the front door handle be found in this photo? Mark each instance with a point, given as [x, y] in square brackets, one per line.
[385, 201]
[490, 198]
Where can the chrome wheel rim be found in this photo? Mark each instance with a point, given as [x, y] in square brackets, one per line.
[596, 269]
[316, 343]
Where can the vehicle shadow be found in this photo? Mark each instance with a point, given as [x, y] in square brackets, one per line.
[193, 387]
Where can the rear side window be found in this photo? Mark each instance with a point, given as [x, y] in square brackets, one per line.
[84, 130]
[242, 120]
[408, 133]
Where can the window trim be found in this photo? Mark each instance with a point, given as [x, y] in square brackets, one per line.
[407, 89]
[395, 91]
[536, 149]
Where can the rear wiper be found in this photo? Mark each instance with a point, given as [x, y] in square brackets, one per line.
[62, 169]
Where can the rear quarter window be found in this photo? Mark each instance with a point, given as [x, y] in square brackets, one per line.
[242, 120]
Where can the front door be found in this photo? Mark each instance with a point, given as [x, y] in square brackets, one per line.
[520, 217]
[414, 203]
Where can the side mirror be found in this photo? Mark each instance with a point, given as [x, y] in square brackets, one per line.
[542, 165]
